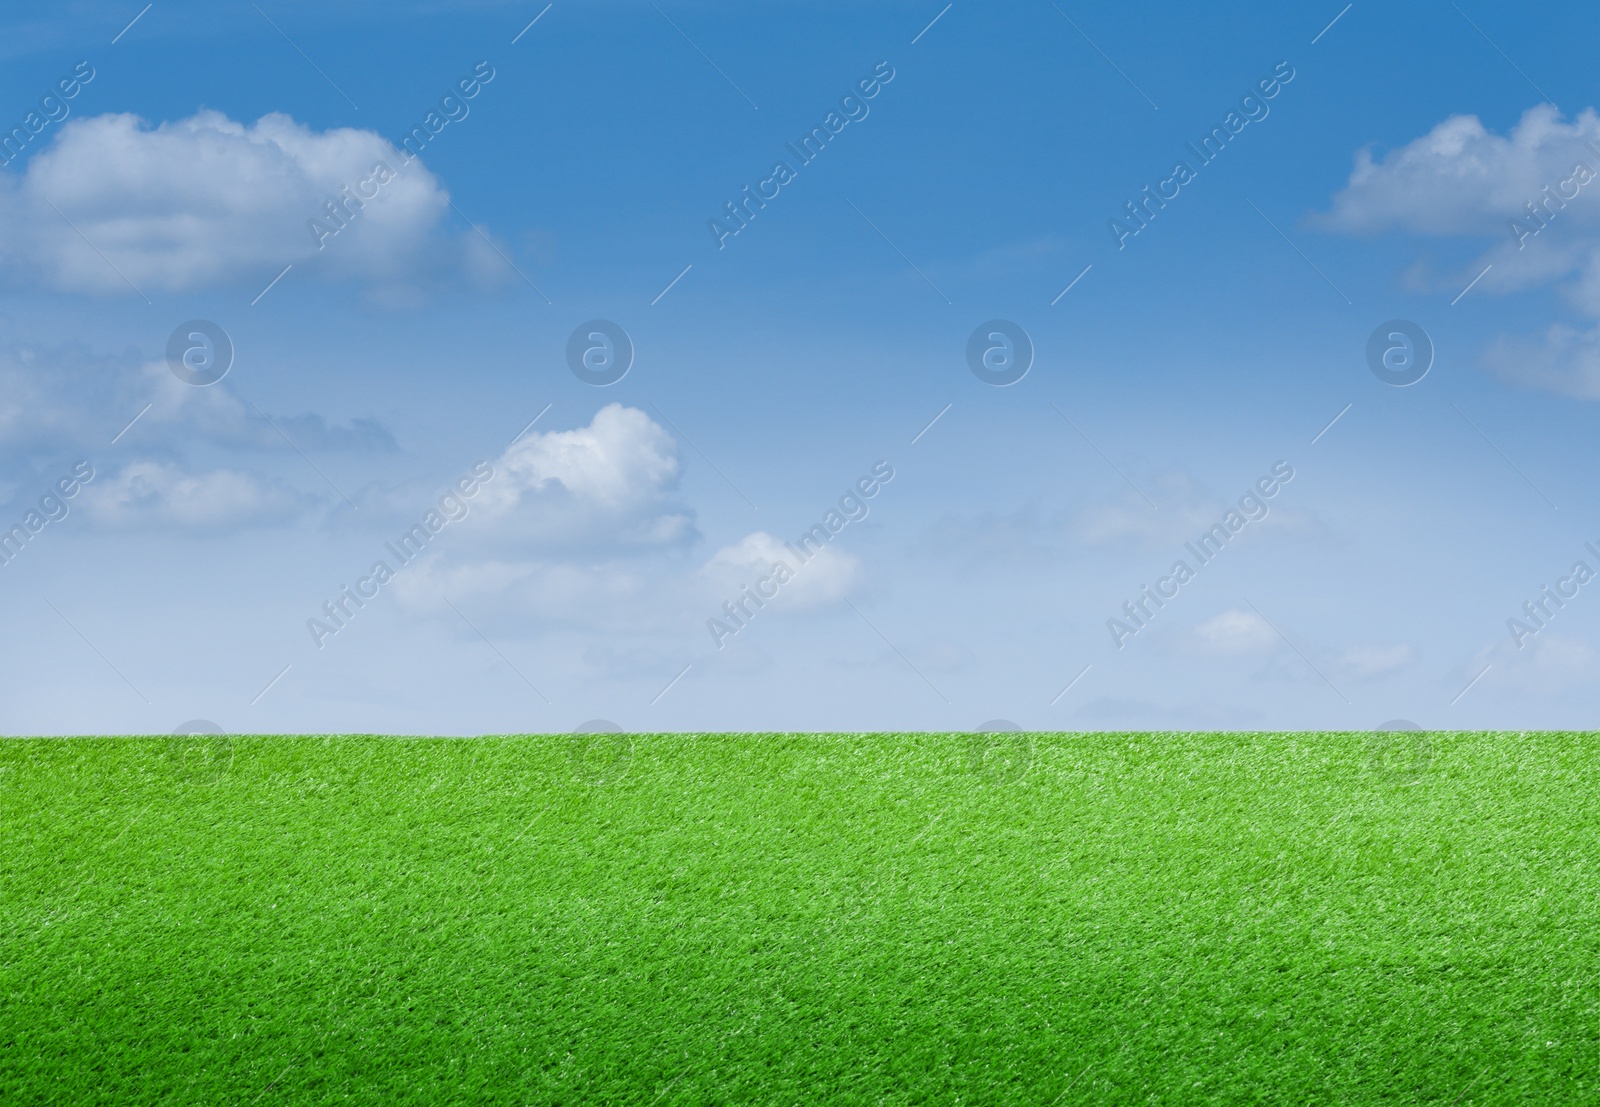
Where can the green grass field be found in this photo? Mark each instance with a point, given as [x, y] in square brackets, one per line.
[800, 919]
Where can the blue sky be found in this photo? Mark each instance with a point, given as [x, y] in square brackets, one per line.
[775, 368]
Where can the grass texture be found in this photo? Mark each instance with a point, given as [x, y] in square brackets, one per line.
[1178, 918]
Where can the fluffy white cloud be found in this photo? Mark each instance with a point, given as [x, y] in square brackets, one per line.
[609, 486]
[1533, 193]
[825, 579]
[1461, 178]
[206, 199]
[156, 495]
[557, 534]
[1526, 191]
[559, 537]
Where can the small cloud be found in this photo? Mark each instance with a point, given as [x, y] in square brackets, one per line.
[1235, 632]
[824, 579]
[148, 494]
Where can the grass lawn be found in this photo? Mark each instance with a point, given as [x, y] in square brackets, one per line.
[1178, 918]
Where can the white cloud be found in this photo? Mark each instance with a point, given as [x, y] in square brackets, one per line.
[1235, 632]
[206, 199]
[561, 532]
[609, 486]
[152, 494]
[62, 405]
[1462, 179]
[824, 580]
[584, 528]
